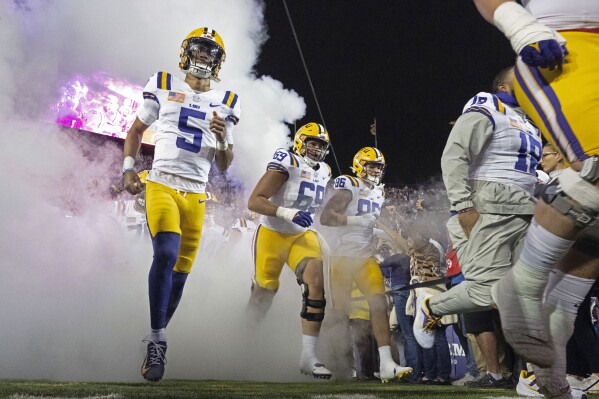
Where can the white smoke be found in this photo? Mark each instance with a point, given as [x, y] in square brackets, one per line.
[73, 291]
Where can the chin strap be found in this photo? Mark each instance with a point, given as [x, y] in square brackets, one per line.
[309, 161]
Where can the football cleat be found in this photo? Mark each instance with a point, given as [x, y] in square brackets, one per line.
[425, 322]
[467, 378]
[527, 385]
[392, 371]
[313, 367]
[554, 384]
[489, 382]
[589, 384]
[152, 368]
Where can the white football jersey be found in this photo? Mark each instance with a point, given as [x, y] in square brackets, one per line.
[562, 14]
[185, 146]
[513, 153]
[303, 190]
[357, 241]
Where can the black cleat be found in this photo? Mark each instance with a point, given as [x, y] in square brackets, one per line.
[152, 368]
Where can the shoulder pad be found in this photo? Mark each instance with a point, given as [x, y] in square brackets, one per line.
[487, 101]
[230, 99]
[281, 160]
[346, 182]
[164, 80]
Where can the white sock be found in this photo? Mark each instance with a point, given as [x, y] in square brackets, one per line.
[309, 345]
[158, 335]
[566, 292]
[542, 249]
[385, 354]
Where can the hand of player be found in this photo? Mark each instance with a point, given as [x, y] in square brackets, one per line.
[419, 206]
[544, 54]
[303, 219]
[131, 182]
[468, 220]
[218, 127]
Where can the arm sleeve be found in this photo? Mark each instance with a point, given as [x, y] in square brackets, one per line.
[466, 141]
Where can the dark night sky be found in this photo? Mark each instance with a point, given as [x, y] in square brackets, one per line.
[412, 64]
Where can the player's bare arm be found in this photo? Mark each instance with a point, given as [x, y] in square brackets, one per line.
[268, 185]
[333, 213]
[132, 145]
[487, 8]
[224, 151]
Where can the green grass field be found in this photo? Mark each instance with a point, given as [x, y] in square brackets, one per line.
[19, 389]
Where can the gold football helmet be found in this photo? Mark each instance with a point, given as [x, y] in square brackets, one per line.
[363, 159]
[207, 41]
[311, 131]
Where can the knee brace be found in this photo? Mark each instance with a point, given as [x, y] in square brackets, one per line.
[573, 198]
[313, 303]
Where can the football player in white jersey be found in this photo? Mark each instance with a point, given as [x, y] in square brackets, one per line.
[489, 170]
[194, 127]
[352, 209]
[288, 194]
[557, 83]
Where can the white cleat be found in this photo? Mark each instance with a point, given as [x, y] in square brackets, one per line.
[315, 368]
[392, 371]
[527, 385]
[424, 322]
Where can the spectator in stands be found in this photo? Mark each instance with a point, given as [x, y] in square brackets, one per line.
[552, 161]
[426, 255]
[398, 268]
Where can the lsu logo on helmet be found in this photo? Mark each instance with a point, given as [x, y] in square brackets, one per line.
[207, 41]
[311, 131]
[366, 158]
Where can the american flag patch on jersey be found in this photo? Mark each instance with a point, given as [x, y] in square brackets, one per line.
[515, 123]
[176, 96]
[305, 174]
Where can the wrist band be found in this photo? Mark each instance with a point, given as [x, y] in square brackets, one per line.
[222, 145]
[465, 210]
[128, 163]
